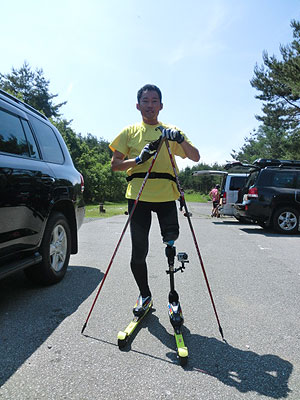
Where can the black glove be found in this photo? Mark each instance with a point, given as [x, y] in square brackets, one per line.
[146, 153]
[154, 145]
[171, 134]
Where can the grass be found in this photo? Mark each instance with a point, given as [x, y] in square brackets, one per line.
[194, 197]
[111, 209]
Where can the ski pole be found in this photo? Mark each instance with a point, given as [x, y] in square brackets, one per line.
[194, 236]
[123, 232]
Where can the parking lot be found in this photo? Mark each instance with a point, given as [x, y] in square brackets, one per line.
[255, 281]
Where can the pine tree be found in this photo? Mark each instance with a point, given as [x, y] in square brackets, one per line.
[32, 88]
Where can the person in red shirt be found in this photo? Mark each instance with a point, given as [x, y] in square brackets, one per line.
[215, 196]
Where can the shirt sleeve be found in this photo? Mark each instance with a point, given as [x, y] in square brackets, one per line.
[120, 143]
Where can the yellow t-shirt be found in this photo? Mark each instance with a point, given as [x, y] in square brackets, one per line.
[130, 142]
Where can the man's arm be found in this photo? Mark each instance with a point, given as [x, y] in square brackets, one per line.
[190, 151]
[119, 164]
[176, 136]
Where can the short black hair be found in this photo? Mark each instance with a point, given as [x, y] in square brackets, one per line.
[148, 87]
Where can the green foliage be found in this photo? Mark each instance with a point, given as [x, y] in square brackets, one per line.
[266, 142]
[278, 84]
[32, 88]
[200, 184]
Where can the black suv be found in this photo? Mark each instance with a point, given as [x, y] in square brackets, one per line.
[41, 195]
[271, 195]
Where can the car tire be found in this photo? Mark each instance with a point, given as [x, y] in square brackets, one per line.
[55, 250]
[286, 220]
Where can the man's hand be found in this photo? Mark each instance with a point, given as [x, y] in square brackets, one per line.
[171, 134]
[146, 153]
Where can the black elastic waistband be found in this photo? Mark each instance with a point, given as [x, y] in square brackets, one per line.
[152, 175]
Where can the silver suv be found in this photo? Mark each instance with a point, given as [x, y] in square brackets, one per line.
[231, 184]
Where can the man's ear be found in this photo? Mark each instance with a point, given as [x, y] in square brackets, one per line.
[161, 106]
[138, 106]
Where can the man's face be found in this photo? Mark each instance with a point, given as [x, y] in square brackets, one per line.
[149, 106]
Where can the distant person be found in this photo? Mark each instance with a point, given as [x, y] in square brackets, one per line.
[215, 196]
[132, 153]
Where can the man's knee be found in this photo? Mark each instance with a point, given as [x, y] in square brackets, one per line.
[170, 234]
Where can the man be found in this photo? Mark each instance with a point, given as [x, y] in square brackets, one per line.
[132, 153]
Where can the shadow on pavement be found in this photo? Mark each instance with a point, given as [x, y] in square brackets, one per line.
[268, 232]
[247, 371]
[29, 314]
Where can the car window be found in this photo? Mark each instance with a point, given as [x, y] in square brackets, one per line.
[50, 147]
[31, 142]
[12, 135]
[298, 180]
[237, 182]
[251, 179]
[284, 179]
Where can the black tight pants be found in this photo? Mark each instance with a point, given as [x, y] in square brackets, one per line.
[139, 228]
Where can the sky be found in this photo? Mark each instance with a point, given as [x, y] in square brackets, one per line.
[98, 53]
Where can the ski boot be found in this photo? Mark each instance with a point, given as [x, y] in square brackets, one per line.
[141, 308]
[141, 305]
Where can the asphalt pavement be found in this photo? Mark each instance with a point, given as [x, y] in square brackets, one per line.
[254, 277]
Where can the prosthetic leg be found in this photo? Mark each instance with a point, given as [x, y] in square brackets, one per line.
[174, 308]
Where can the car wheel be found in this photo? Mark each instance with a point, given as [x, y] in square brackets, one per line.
[55, 250]
[286, 220]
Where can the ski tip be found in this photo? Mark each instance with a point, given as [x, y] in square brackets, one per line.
[122, 335]
[221, 332]
[83, 328]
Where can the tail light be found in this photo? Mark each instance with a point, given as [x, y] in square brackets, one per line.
[224, 198]
[81, 183]
[252, 193]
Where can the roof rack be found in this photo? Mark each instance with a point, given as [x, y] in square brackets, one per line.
[265, 162]
[15, 99]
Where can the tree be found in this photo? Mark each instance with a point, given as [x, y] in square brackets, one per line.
[201, 184]
[278, 82]
[265, 142]
[32, 88]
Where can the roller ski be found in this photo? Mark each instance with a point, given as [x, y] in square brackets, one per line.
[140, 310]
[174, 308]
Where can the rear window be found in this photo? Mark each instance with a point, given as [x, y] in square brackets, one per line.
[237, 182]
[282, 179]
